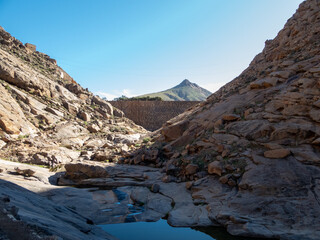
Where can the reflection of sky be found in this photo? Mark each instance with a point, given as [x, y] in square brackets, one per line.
[153, 231]
[142, 46]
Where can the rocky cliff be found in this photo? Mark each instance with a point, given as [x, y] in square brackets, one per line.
[47, 118]
[246, 159]
[251, 152]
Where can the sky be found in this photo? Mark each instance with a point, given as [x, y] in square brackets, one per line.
[134, 47]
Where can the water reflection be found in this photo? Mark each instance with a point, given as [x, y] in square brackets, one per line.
[143, 224]
[159, 230]
[122, 211]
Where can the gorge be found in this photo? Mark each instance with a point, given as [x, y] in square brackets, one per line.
[246, 160]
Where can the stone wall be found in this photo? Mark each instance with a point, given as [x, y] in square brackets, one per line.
[152, 114]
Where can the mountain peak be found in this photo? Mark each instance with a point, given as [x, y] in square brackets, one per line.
[185, 91]
[185, 82]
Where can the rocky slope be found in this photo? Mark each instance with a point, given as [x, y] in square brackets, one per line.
[46, 118]
[251, 153]
[246, 159]
[185, 91]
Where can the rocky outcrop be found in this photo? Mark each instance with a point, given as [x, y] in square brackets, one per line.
[246, 159]
[32, 208]
[256, 140]
[46, 117]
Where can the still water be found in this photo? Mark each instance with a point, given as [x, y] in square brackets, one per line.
[161, 230]
[128, 221]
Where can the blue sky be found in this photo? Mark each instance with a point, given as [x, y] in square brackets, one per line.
[132, 47]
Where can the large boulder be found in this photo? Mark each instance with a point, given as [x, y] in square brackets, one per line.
[80, 171]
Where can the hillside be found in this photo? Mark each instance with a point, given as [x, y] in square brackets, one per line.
[41, 104]
[47, 119]
[185, 91]
[246, 159]
[251, 152]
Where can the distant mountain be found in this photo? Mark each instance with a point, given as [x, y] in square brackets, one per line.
[185, 91]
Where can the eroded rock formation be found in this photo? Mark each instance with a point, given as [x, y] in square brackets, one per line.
[251, 152]
[46, 118]
[246, 159]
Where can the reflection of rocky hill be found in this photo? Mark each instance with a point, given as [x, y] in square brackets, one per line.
[251, 152]
[185, 91]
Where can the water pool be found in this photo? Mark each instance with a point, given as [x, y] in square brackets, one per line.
[161, 230]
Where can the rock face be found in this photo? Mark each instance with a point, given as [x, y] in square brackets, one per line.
[42, 210]
[250, 154]
[46, 117]
[258, 138]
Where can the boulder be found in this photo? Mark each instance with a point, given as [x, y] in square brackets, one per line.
[84, 116]
[54, 111]
[215, 168]
[8, 126]
[3, 144]
[174, 131]
[93, 128]
[107, 106]
[155, 188]
[118, 113]
[31, 47]
[191, 169]
[83, 171]
[263, 83]
[277, 153]
[317, 103]
[230, 117]
[72, 109]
